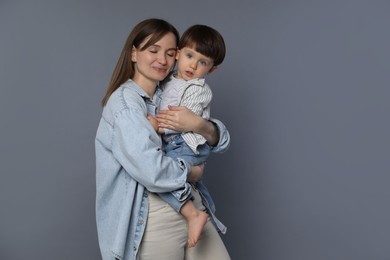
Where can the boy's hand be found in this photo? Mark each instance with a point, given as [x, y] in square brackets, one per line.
[179, 119]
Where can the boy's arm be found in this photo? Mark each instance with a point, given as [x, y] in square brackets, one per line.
[196, 98]
[182, 119]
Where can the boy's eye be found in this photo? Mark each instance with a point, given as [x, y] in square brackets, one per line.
[205, 62]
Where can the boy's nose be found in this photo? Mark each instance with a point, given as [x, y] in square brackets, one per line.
[194, 65]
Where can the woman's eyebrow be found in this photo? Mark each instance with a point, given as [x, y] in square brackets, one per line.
[159, 46]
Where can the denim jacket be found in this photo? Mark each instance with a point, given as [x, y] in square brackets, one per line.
[129, 161]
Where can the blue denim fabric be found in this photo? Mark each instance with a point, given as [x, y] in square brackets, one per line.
[129, 161]
[176, 147]
[210, 206]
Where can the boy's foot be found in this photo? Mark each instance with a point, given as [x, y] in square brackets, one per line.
[195, 227]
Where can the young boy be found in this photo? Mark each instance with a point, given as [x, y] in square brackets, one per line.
[201, 49]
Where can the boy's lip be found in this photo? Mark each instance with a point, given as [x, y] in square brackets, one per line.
[189, 73]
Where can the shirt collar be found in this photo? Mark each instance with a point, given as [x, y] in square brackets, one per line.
[195, 81]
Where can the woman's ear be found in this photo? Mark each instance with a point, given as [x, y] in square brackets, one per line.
[133, 54]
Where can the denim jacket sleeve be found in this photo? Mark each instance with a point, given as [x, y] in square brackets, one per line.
[224, 137]
[137, 147]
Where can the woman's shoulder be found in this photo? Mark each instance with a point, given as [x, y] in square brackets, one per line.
[126, 97]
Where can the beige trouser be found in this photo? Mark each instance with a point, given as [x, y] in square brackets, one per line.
[165, 237]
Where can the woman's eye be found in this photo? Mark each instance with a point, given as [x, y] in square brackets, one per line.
[171, 54]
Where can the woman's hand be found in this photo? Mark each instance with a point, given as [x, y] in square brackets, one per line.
[181, 119]
[154, 123]
[196, 173]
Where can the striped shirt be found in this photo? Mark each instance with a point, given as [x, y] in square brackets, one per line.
[194, 94]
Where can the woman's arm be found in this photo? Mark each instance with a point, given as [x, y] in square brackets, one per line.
[137, 148]
[182, 119]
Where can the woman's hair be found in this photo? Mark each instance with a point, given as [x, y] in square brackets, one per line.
[124, 69]
[206, 41]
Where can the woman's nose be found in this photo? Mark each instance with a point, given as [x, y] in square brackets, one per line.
[162, 59]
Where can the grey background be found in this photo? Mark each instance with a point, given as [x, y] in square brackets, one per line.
[304, 91]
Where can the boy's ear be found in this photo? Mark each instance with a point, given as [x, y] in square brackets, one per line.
[177, 54]
[212, 69]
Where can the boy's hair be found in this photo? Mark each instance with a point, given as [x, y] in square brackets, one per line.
[205, 40]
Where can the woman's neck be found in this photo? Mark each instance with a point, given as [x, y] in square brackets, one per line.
[147, 85]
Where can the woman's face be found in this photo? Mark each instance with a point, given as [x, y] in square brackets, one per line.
[155, 62]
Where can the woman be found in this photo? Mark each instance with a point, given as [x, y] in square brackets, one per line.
[132, 222]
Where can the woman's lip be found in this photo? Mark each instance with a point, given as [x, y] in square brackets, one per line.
[163, 70]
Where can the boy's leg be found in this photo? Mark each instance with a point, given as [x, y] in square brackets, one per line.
[210, 245]
[196, 220]
[177, 148]
[173, 201]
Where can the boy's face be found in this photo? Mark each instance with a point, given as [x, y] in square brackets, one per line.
[192, 64]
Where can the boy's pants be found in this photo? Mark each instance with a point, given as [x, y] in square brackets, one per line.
[177, 148]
